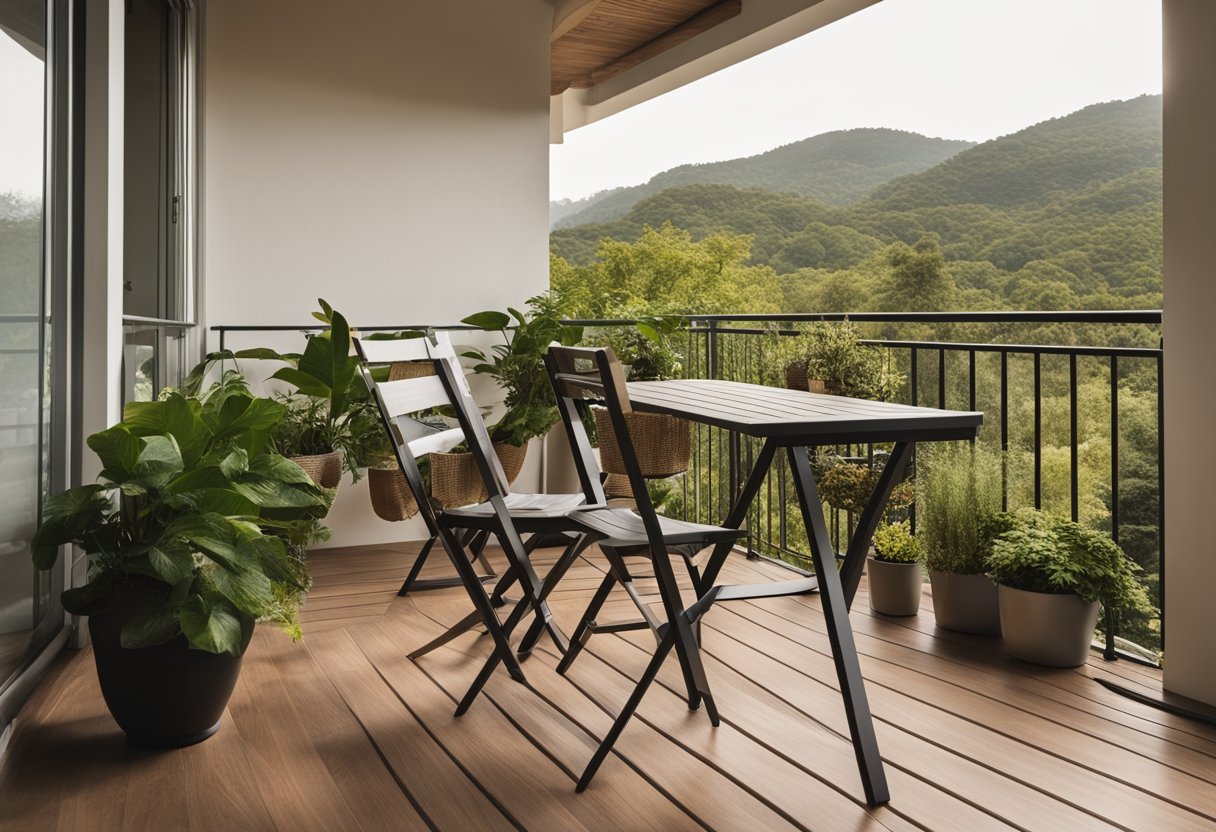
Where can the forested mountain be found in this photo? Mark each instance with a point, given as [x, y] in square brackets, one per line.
[1064, 214]
[838, 167]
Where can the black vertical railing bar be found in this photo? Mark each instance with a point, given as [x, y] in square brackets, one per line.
[1073, 459]
[1004, 431]
[941, 379]
[1109, 652]
[912, 394]
[1038, 430]
[971, 384]
[1161, 490]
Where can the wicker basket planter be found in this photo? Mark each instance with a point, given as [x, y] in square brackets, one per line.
[324, 469]
[391, 496]
[456, 482]
[662, 442]
[402, 370]
[795, 375]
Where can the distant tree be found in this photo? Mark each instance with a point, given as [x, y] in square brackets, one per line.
[919, 280]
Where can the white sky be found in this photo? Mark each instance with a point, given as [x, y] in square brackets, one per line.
[21, 130]
[958, 69]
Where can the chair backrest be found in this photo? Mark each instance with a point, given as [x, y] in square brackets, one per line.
[577, 372]
[400, 400]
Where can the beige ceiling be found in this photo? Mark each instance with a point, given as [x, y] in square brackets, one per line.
[594, 40]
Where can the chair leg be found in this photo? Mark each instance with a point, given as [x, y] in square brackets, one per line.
[464, 625]
[583, 632]
[554, 576]
[627, 712]
[417, 567]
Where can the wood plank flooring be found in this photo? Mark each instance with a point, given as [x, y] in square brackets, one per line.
[342, 732]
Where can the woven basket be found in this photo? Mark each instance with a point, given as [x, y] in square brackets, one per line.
[795, 375]
[392, 498]
[324, 469]
[401, 370]
[456, 482]
[662, 444]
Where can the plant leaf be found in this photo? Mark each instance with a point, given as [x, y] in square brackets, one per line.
[171, 560]
[149, 627]
[213, 624]
[118, 451]
[490, 320]
[65, 517]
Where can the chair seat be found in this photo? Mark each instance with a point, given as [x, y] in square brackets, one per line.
[623, 528]
[530, 512]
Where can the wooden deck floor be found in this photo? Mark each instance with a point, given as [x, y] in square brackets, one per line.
[341, 732]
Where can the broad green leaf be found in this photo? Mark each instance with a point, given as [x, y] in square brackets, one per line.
[650, 331]
[176, 416]
[172, 561]
[304, 382]
[65, 517]
[271, 493]
[118, 451]
[249, 590]
[280, 468]
[222, 501]
[259, 353]
[235, 464]
[207, 477]
[245, 413]
[160, 460]
[491, 320]
[149, 627]
[213, 624]
[89, 599]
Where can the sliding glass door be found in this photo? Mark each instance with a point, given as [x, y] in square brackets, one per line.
[32, 287]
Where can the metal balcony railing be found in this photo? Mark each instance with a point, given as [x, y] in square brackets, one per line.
[1073, 398]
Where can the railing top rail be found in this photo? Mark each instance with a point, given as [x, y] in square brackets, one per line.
[1029, 349]
[141, 320]
[1117, 316]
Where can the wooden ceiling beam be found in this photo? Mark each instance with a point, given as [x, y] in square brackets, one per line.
[569, 13]
[697, 24]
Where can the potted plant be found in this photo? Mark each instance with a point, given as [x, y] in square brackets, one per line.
[959, 489]
[194, 532]
[518, 366]
[1053, 575]
[830, 358]
[317, 427]
[847, 485]
[662, 443]
[894, 570]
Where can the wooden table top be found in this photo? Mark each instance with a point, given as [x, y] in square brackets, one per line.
[799, 417]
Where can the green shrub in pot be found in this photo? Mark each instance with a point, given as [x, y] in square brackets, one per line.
[958, 490]
[194, 532]
[894, 570]
[1053, 575]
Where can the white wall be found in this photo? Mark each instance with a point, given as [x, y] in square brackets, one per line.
[390, 156]
[1190, 308]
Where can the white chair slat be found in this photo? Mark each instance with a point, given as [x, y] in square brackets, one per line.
[411, 395]
[436, 443]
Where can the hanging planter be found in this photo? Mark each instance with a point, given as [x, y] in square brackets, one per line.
[390, 493]
[662, 443]
[324, 469]
[455, 480]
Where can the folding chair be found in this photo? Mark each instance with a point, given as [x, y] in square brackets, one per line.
[505, 514]
[575, 372]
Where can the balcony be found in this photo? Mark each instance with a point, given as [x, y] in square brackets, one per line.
[341, 731]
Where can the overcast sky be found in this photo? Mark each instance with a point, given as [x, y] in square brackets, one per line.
[957, 69]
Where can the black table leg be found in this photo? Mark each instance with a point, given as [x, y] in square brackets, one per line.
[840, 632]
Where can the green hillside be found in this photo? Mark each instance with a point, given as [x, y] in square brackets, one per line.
[1064, 214]
[1096, 144]
[838, 168]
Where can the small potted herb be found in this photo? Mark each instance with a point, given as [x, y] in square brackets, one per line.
[1053, 576]
[958, 489]
[830, 358]
[894, 570]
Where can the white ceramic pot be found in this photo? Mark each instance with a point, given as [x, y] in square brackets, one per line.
[965, 603]
[894, 587]
[1046, 628]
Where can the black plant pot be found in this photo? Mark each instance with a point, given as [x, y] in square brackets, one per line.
[167, 696]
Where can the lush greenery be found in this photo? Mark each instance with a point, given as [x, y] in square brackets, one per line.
[848, 485]
[895, 543]
[1062, 215]
[647, 348]
[958, 489]
[518, 365]
[1039, 552]
[196, 527]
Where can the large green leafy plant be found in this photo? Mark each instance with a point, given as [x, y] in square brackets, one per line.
[1038, 552]
[646, 347]
[832, 352]
[518, 365]
[195, 526]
